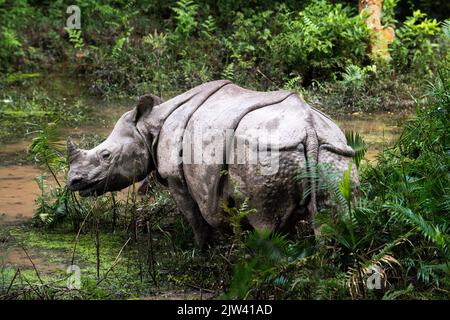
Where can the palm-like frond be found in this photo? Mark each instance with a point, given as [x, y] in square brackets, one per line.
[437, 234]
[355, 141]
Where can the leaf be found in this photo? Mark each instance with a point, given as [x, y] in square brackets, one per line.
[345, 184]
[358, 145]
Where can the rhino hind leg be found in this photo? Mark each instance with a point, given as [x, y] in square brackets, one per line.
[202, 230]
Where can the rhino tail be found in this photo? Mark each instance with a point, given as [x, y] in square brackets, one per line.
[312, 155]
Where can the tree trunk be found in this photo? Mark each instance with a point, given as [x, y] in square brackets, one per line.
[381, 36]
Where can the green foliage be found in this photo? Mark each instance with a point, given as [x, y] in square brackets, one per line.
[388, 13]
[358, 145]
[412, 183]
[75, 38]
[263, 45]
[185, 15]
[414, 43]
[260, 273]
[345, 184]
[356, 77]
[320, 39]
[12, 15]
[46, 147]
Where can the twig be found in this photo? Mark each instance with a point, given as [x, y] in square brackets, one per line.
[32, 288]
[200, 288]
[114, 212]
[77, 237]
[261, 73]
[34, 266]
[97, 243]
[151, 256]
[116, 261]
[12, 281]
[52, 173]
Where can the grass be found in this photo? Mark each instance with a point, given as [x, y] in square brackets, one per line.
[56, 248]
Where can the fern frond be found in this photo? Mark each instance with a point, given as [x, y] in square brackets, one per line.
[357, 143]
[429, 231]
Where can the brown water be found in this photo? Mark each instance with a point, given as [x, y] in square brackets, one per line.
[18, 191]
[16, 256]
[378, 130]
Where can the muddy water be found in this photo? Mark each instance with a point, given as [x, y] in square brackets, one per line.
[378, 130]
[18, 191]
[17, 257]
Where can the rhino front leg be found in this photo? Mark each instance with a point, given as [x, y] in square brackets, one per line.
[189, 208]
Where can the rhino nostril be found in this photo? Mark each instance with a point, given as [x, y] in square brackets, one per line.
[75, 181]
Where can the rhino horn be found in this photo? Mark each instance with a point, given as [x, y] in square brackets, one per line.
[72, 149]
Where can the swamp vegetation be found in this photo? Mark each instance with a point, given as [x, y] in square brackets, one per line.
[55, 81]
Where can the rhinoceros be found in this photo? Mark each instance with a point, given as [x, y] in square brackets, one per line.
[204, 174]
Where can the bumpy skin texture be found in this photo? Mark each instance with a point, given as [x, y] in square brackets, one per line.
[304, 135]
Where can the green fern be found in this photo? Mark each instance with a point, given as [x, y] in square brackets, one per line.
[228, 72]
[437, 234]
[324, 177]
[185, 14]
[446, 28]
[357, 143]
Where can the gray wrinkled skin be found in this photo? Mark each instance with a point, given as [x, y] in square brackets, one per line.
[150, 138]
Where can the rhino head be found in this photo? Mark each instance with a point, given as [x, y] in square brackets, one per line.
[123, 158]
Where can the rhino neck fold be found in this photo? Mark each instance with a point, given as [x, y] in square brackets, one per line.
[146, 140]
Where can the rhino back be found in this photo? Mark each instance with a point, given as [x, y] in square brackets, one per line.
[329, 135]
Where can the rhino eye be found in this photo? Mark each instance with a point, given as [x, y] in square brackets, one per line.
[105, 155]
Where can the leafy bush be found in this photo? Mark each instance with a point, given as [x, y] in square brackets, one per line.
[319, 40]
[414, 43]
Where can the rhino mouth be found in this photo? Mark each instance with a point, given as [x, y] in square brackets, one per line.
[94, 188]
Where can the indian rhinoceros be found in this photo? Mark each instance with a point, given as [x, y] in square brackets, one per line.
[205, 173]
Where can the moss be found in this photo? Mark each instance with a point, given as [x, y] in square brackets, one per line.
[55, 247]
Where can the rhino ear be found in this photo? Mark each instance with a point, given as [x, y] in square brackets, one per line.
[145, 105]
